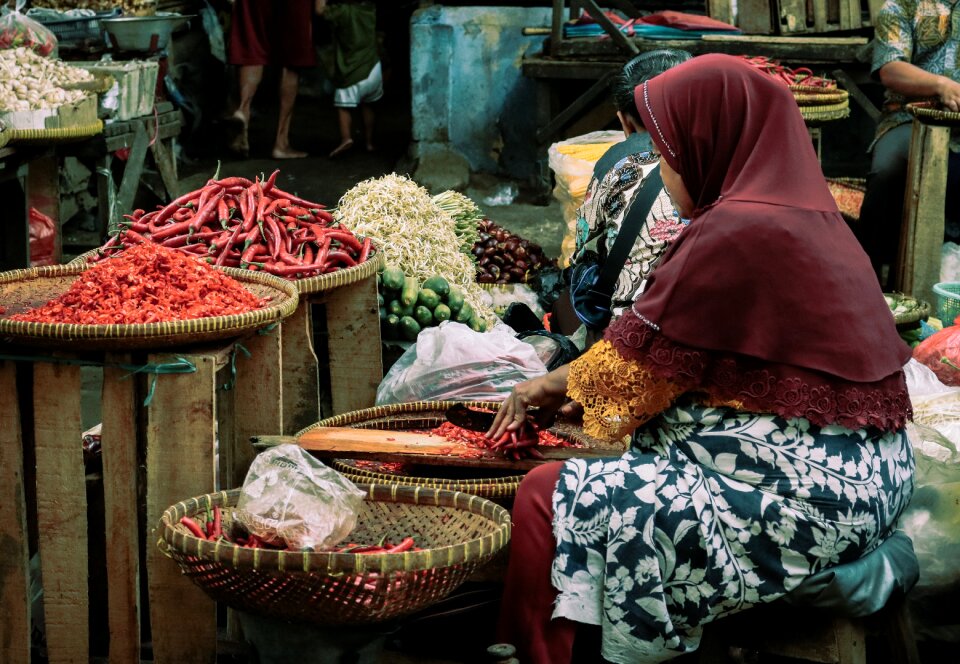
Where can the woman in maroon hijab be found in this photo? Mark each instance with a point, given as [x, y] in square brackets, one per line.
[760, 377]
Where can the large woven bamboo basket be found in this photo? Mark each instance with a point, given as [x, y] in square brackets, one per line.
[931, 112]
[457, 532]
[56, 135]
[493, 484]
[350, 275]
[826, 113]
[21, 290]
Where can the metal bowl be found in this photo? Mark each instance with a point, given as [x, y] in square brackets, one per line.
[142, 33]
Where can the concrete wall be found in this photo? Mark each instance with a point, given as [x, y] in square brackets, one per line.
[468, 92]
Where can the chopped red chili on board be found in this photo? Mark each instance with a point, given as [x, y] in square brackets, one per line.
[147, 283]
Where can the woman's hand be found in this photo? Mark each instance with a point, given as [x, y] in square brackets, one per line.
[547, 392]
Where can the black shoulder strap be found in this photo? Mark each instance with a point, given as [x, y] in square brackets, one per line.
[627, 237]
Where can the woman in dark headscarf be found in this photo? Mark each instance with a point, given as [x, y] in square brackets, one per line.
[760, 376]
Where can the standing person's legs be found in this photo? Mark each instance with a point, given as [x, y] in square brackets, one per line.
[529, 595]
[345, 120]
[881, 215]
[289, 83]
[368, 123]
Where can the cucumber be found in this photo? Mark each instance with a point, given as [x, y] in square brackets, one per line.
[477, 325]
[408, 294]
[455, 299]
[392, 277]
[391, 326]
[423, 316]
[407, 310]
[465, 314]
[394, 307]
[409, 328]
[428, 298]
[441, 313]
[438, 285]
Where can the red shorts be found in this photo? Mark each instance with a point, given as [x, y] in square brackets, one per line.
[263, 32]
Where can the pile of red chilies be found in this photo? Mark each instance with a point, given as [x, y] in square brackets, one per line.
[514, 445]
[799, 76]
[212, 531]
[234, 222]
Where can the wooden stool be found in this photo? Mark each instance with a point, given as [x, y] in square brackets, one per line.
[810, 635]
[921, 234]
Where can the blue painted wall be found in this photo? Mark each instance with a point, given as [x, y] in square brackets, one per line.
[468, 91]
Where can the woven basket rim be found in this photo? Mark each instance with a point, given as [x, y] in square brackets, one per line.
[922, 312]
[821, 100]
[57, 134]
[332, 563]
[825, 113]
[228, 325]
[506, 485]
[351, 275]
[929, 110]
[816, 89]
[941, 288]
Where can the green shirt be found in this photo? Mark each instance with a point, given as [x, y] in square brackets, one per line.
[354, 28]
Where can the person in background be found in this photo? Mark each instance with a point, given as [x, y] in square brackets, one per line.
[618, 177]
[915, 56]
[357, 73]
[760, 376]
[266, 33]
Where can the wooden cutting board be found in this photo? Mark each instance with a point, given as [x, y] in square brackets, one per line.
[421, 448]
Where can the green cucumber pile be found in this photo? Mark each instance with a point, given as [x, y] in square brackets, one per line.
[407, 306]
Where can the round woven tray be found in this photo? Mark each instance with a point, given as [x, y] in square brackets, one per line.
[457, 531]
[827, 98]
[814, 89]
[825, 113]
[62, 135]
[427, 415]
[921, 311]
[930, 112]
[21, 290]
[350, 275]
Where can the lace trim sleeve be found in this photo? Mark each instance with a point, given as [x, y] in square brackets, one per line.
[617, 394]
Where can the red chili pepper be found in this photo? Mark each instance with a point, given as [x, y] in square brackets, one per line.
[193, 527]
[217, 523]
[404, 545]
[364, 250]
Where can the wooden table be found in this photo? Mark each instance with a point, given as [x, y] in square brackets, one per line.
[921, 234]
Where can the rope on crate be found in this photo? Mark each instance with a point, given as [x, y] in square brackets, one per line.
[233, 365]
[179, 365]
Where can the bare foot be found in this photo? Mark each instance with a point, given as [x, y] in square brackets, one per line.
[288, 153]
[343, 147]
[241, 143]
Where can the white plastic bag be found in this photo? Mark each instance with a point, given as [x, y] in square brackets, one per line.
[454, 362]
[291, 499]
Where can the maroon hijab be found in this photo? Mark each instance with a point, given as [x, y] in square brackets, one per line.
[767, 268]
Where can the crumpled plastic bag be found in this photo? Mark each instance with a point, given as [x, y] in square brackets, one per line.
[16, 29]
[43, 238]
[291, 499]
[454, 362]
[941, 353]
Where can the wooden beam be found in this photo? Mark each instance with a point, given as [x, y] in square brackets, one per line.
[616, 36]
[556, 25]
[301, 370]
[573, 110]
[848, 84]
[133, 170]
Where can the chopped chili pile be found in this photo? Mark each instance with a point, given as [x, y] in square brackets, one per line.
[146, 283]
[479, 445]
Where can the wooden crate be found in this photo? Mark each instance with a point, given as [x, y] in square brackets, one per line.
[152, 457]
[795, 17]
[78, 113]
[350, 365]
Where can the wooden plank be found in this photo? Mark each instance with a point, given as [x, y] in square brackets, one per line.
[61, 511]
[133, 170]
[259, 402]
[875, 7]
[755, 17]
[409, 447]
[353, 339]
[556, 24]
[108, 216]
[120, 471]
[180, 438]
[301, 371]
[809, 50]
[14, 557]
[921, 235]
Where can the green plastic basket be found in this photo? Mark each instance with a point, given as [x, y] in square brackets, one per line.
[948, 301]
